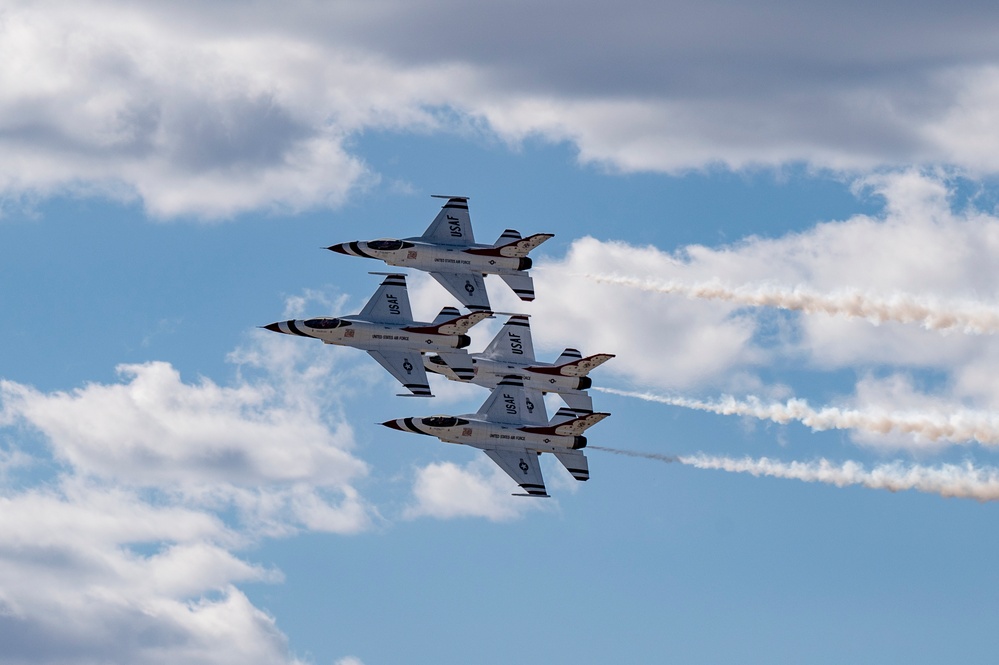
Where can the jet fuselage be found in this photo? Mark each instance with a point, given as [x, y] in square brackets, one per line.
[350, 331]
[429, 257]
[470, 430]
[489, 373]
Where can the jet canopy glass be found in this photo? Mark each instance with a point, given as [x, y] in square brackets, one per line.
[326, 323]
[388, 245]
[443, 421]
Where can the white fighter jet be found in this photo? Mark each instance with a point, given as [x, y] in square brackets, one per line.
[448, 251]
[512, 352]
[513, 429]
[386, 330]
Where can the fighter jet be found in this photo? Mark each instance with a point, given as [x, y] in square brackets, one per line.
[513, 429]
[448, 251]
[512, 352]
[386, 330]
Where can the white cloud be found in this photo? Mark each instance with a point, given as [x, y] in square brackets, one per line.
[921, 262]
[671, 343]
[73, 588]
[478, 489]
[128, 550]
[213, 110]
[919, 251]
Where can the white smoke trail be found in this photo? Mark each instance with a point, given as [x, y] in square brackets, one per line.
[971, 317]
[954, 426]
[949, 480]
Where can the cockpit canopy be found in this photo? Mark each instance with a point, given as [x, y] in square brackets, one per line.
[388, 244]
[326, 323]
[444, 421]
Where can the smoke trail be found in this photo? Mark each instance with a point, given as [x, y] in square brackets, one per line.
[971, 317]
[954, 426]
[948, 480]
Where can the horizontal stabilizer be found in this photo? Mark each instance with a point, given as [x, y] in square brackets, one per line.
[516, 249]
[573, 427]
[521, 283]
[457, 326]
[579, 401]
[580, 367]
[460, 364]
[575, 463]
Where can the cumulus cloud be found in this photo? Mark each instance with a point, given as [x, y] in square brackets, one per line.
[478, 489]
[128, 552]
[678, 345]
[210, 111]
[919, 261]
[76, 589]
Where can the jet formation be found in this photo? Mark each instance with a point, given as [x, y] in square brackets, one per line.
[512, 426]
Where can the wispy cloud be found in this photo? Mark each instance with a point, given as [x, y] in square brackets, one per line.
[129, 549]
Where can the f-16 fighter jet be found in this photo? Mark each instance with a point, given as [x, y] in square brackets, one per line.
[512, 352]
[513, 429]
[448, 251]
[386, 330]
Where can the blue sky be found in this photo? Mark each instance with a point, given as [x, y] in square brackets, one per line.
[782, 221]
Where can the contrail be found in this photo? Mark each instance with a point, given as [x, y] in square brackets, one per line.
[954, 426]
[971, 317]
[949, 480]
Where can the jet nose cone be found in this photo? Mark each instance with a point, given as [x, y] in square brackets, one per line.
[275, 327]
[393, 424]
[340, 248]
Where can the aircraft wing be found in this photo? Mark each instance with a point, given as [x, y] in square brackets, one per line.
[390, 304]
[468, 287]
[407, 367]
[452, 226]
[523, 466]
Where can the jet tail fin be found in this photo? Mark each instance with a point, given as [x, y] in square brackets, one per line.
[459, 363]
[572, 427]
[568, 356]
[574, 367]
[508, 236]
[455, 326]
[518, 248]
